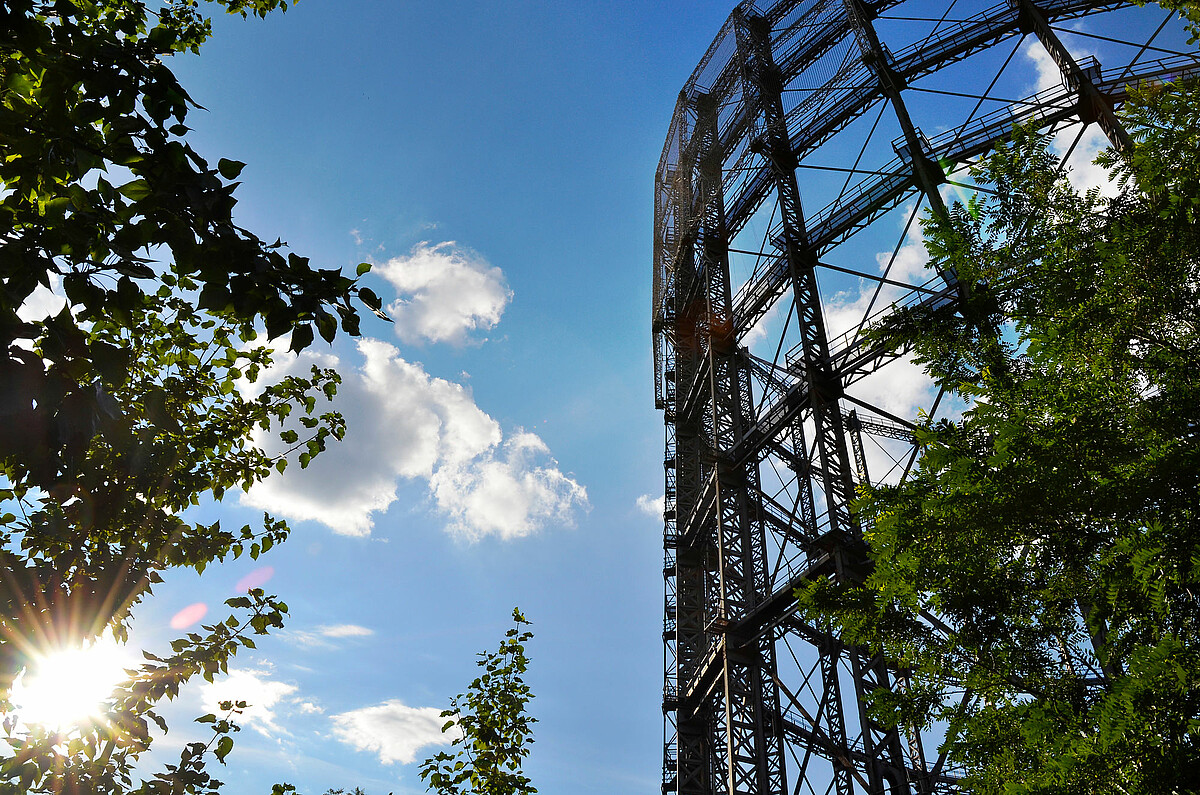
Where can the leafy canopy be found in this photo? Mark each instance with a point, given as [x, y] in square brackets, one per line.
[138, 396]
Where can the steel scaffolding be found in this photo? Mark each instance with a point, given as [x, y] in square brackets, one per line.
[763, 453]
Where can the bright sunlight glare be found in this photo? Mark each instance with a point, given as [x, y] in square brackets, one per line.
[68, 687]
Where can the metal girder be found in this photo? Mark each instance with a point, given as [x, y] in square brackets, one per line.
[762, 78]
[864, 202]
[719, 565]
[1094, 106]
[849, 93]
[734, 552]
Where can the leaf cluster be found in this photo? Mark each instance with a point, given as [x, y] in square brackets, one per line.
[1036, 579]
[494, 730]
[143, 395]
[102, 758]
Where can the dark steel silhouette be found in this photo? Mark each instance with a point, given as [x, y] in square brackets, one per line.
[763, 454]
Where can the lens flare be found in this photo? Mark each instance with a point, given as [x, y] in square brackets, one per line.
[255, 579]
[189, 615]
[68, 687]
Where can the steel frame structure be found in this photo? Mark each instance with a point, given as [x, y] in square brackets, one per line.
[745, 712]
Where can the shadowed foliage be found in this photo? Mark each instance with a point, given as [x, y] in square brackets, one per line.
[1036, 577]
[131, 394]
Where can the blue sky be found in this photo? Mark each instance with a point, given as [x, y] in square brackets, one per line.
[495, 161]
[514, 145]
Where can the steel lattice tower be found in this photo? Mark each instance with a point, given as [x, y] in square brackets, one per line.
[763, 452]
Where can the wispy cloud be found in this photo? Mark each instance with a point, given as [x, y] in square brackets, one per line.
[345, 631]
[444, 293]
[393, 731]
[322, 636]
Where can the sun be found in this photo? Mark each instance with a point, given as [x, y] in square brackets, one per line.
[69, 687]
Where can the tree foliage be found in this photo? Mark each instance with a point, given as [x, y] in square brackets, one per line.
[137, 398]
[1038, 575]
[494, 730]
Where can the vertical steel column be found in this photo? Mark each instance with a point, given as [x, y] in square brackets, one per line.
[762, 94]
[692, 761]
[747, 747]
[927, 173]
[762, 89]
[1094, 106]
[665, 203]
[854, 426]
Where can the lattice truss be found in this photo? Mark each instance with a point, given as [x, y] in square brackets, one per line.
[802, 151]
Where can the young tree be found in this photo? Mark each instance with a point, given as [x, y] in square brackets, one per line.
[1038, 574]
[494, 730]
[125, 406]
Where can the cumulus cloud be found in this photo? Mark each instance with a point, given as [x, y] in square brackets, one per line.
[444, 292]
[901, 386]
[392, 730]
[504, 491]
[652, 506]
[262, 694]
[404, 424]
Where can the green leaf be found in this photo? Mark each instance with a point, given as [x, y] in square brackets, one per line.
[224, 746]
[327, 326]
[230, 169]
[135, 190]
[302, 337]
[368, 297]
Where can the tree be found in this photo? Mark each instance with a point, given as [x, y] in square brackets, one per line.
[126, 406]
[1037, 577]
[494, 731]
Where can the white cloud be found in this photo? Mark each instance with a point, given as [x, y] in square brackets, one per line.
[392, 730]
[404, 424]
[503, 491]
[652, 506]
[252, 686]
[763, 335]
[444, 293]
[1083, 173]
[1048, 73]
[321, 636]
[845, 310]
[345, 631]
[900, 386]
